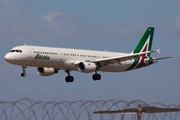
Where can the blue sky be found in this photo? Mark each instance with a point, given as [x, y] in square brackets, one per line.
[97, 25]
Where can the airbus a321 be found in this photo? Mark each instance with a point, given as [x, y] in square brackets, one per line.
[49, 60]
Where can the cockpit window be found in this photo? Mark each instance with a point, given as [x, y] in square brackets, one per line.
[19, 51]
[12, 50]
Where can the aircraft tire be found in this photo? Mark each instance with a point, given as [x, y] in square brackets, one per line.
[69, 79]
[23, 74]
[96, 77]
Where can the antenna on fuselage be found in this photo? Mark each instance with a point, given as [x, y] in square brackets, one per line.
[25, 44]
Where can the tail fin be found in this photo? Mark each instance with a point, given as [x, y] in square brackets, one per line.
[146, 42]
[144, 45]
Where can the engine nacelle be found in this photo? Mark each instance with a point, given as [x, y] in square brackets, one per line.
[44, 71]
[87, 67]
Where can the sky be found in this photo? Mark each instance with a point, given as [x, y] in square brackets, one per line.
[114, 25]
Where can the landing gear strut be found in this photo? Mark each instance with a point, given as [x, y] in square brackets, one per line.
[96, 76]
[24, 71]
[69, 78]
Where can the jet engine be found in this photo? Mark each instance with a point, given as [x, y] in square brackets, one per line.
[87, 67]
[44, 71]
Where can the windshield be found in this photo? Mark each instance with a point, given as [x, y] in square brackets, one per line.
[19, 51]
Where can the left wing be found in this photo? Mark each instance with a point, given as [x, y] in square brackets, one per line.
[123, 58]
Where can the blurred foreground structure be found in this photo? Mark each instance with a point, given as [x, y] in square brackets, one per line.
[26, 109]
[139, 111]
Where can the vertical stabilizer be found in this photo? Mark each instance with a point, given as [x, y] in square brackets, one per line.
[144, 45]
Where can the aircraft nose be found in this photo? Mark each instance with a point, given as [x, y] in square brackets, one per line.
[8, 57]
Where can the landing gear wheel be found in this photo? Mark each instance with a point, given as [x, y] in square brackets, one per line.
[23, 74]
[69, 79]
[96, 77]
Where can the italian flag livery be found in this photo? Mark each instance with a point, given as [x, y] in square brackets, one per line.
[144, 45]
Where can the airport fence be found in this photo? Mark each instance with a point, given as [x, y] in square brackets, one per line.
[27, 109]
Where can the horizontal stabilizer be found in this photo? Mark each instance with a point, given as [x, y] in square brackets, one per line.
[159, 58]
[158, 50]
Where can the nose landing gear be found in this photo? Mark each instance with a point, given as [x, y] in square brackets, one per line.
[24, 70]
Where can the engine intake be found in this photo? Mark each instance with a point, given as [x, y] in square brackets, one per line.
[44, 71]
[87, 67]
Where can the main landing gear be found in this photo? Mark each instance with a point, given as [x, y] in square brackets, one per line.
[24, 70]
[96, 76]
[69, 78]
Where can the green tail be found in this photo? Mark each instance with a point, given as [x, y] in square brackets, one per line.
[144, 45]
[145, 40]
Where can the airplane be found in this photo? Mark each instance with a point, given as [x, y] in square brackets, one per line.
[49, 60]
[139, 111]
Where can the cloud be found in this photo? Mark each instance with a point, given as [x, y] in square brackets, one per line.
[176, 26]
[16, 23]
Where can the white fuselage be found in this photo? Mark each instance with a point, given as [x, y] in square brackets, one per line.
[62, 58]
